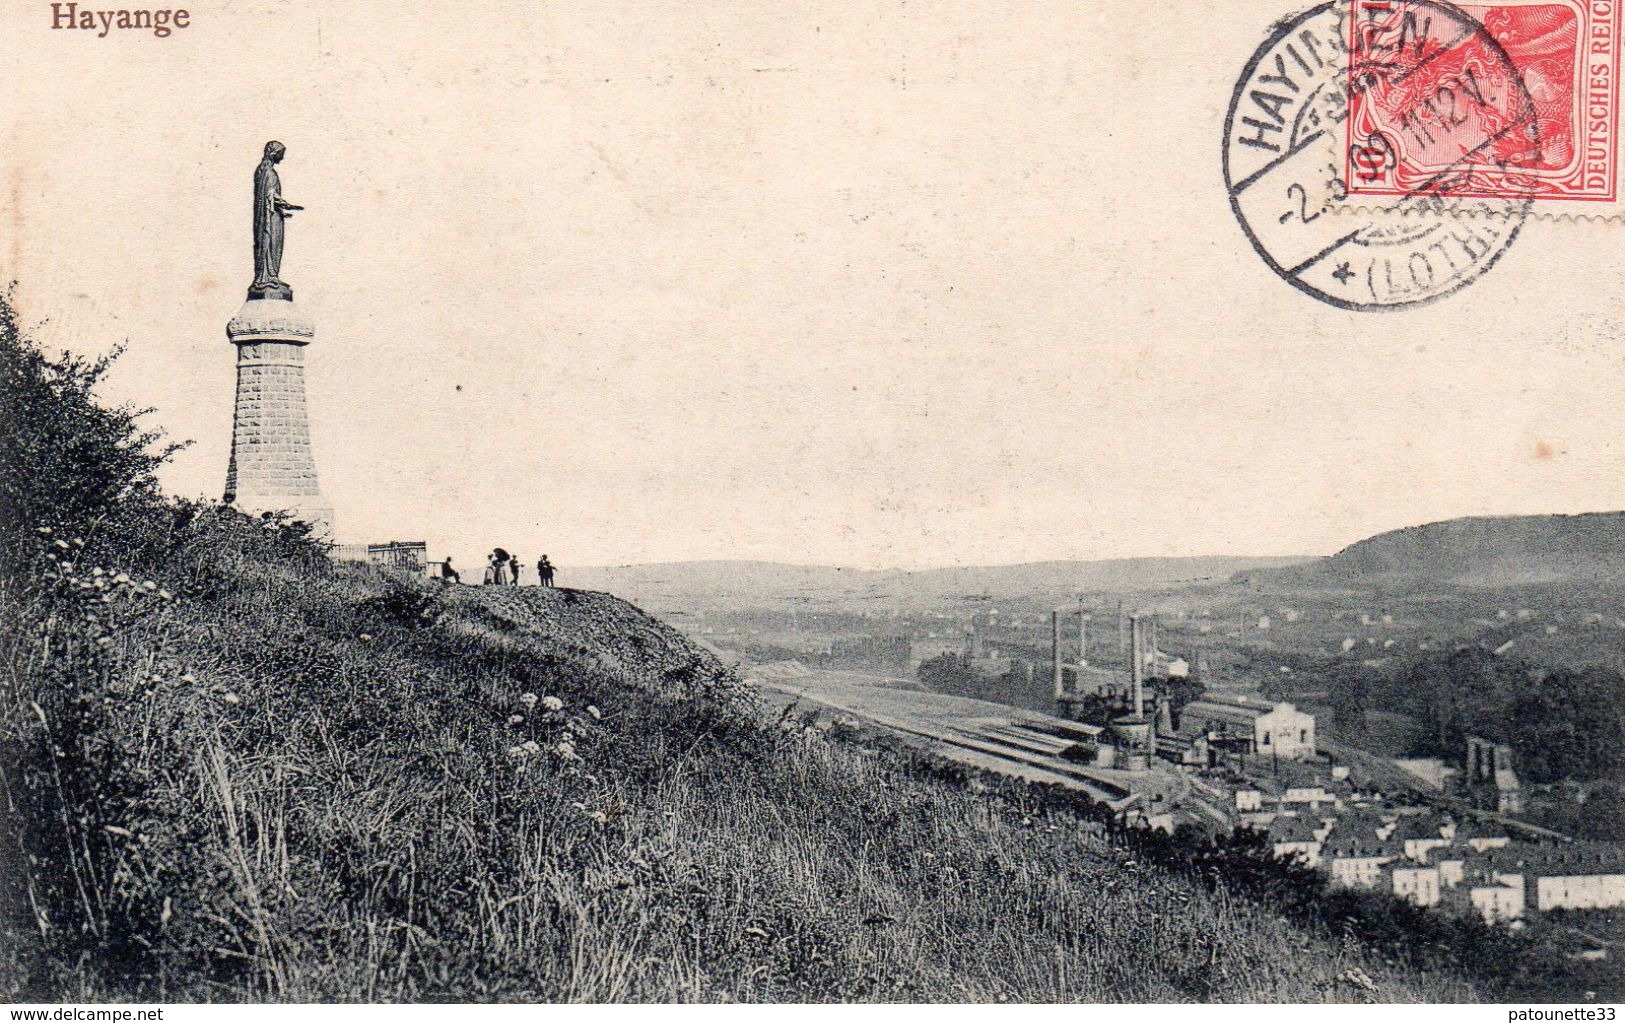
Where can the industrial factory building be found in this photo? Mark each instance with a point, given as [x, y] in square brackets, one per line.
[1245, 725]
[1207, 730]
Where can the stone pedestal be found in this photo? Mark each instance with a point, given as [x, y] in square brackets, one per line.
[272, 466]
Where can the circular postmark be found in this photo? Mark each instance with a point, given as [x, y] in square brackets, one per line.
[1355, 90]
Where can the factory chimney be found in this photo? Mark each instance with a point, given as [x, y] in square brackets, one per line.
[1137, 658]
[1055, 651]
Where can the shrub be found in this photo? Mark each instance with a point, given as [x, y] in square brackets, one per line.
[68, 462]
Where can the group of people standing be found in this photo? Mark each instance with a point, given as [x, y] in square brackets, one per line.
[502, 569]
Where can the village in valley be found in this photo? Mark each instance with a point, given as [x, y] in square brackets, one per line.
[1217, 704]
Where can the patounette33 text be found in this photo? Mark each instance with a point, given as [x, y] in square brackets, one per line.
[159, 23]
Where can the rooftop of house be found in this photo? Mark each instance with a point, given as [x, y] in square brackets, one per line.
[1292, 828]
[1459, 853]
[1360, 821]
[1402, 866]
[1571, 859]
[1233, 707]
[1345, 846]
[1420, 826]
[1238, 700]
[1477, 829]
[1199, 716]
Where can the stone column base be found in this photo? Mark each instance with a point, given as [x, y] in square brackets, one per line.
[272, 465]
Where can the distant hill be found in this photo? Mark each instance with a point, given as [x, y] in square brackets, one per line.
[1489, 552]
[746, 583]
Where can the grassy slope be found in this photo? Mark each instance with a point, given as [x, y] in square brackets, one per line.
[296, 781]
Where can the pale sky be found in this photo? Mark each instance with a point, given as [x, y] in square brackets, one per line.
[871, 284]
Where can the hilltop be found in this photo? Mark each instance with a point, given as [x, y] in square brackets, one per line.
[1487, 552]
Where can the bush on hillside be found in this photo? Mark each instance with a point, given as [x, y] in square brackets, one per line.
[68, 462]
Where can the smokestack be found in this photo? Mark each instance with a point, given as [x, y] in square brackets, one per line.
[1083, 639]
[1138, 658]
[1055, 651]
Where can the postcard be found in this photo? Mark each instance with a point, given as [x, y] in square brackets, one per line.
[514, 502]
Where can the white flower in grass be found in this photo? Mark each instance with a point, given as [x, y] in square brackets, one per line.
[567, 750]
[516, 752]
[552, 703]
[122, 577]
[599, 816]
[516, 719]
[597, 715]
[97, 571]
[528, 699]
[166, 595]
[63, 544]
[232, 698]
[149, 585]
[530, 747]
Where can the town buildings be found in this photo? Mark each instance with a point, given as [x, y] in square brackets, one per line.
[1431, 861]
[1575, 875]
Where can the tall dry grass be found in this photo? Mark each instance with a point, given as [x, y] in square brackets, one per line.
[298, 781]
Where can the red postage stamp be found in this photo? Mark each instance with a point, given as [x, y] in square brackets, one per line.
[1525, 105]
